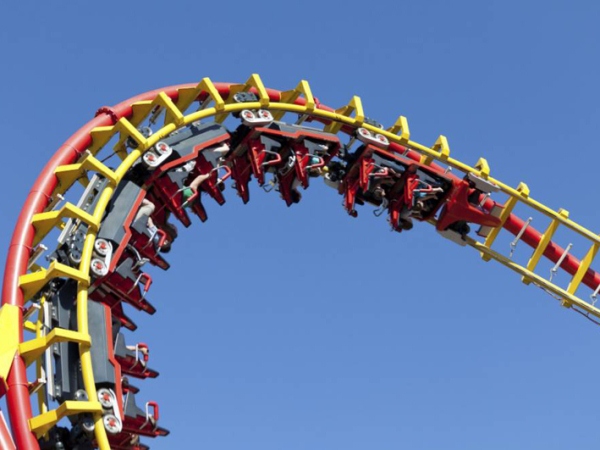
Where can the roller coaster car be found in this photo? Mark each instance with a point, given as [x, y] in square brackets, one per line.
[126, 441]
[291, 152]
[195, 150]
[116, 306]
[128, 387]
[119, 229]
[249, 155]
[133, 359]
[126, 283]
[355, 178]
[121, 418]
[141, 421]
[308, 152]
[404, 187]
[466, 205]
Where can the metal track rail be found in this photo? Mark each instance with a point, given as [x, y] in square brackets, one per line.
[77, 157]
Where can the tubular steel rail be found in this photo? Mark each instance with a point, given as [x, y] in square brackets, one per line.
[77, 157]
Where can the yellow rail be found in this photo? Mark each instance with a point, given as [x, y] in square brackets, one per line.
[351, 115]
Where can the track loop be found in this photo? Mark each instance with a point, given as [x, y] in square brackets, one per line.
[362, 160]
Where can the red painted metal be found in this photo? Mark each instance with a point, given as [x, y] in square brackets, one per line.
[553, 252]
[18, 401]
[6, 442]
[17, 396]
[458, 208]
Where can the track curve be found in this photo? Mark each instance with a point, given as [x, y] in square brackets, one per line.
[24, 279]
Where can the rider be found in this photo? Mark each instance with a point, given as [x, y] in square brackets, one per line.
[147, 209]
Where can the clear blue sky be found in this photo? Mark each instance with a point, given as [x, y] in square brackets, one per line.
[303, 328]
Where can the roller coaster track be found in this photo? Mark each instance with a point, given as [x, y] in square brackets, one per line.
[24, 340]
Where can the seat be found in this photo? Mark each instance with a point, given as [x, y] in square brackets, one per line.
[141, 421]
[133, 360]
[127, 284]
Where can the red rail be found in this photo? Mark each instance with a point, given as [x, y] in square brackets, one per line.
[18, 399]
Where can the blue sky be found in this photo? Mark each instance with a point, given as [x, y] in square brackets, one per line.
[303, 328]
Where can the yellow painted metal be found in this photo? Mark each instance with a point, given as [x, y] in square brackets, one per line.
[511, 192]
[567, 299]
[188, 95]
[342, 117]
[9, 344]
[32, 349]
[44, 222]
[172, 116]
[441, 147]
[401, 126]
[584, 265]
[254, 82]
[84, 181]
[42, 423]
[100, 137]
[68, 174]
[172, 112]
[483, 167]
[40, 332]
[82, 288]
[31, 283]
[506, 211]
[140, 111]
[291, 96]
[354, 106]
[541, 248]
[128, 130]
[29, 326]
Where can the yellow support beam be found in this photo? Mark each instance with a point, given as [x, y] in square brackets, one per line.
[44, 222]
[9, 344]
[28, 325]
[584, 265]
[41, 424]
[39, 364]
[67, 175]
[510, 204]
[140, 111]
[33, 349]
[253, 82]
[31, 283]
[525, 199]
[567, 299]
[100, 137]
[172, 116]
[355, 105]
[441, 147]
[188, 95]
[483, 167]
[541, 248]
[128, 130]
[172, 112]
[401, 126]
[291, 96]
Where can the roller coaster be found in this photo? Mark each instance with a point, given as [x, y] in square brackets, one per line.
[90, 234]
